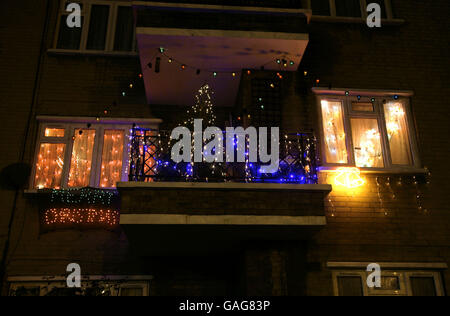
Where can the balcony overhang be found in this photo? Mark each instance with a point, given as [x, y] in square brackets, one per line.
[213, 39]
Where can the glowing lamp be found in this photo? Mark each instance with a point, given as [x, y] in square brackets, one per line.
[349, 178]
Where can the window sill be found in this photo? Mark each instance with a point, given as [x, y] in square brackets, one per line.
[395, 171]
[56, 51]
[343, 19]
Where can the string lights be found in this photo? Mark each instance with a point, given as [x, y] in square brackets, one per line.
[81, 216]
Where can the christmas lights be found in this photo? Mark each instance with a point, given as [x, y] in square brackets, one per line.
[81, 216]
[349, 178]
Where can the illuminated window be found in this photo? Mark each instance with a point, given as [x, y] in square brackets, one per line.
[54, 132]
[367, 143]
[333, 127]
[398, 135]
[49, 166]
[367, 132]
[81, 162]
[112, 158]
[77, 155]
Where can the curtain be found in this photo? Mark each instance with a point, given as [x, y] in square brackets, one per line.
[367, 143]
[81, 162]
[398, 135]
[333, 128]
[112, 158]
[49, 166]
[98, 27]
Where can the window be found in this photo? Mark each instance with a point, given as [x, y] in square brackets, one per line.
[367, 132]
[348, 8]
[88, 153]
[106, 27]
[398, 282]
[90, 286]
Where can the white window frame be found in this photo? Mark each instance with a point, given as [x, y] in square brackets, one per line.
[111, 29]
[363, 6]
[403, 276]
[348, 113]
[70, 125]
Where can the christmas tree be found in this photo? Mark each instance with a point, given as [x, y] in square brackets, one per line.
[202, 108]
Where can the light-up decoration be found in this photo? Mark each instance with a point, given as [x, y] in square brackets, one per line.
[397, 129]
[394, 115]
[367, 143]
[349, 178]
[54, 132]
[49, 166]
[81, 162]
[333, 127]
[81, 216]
[112, 158]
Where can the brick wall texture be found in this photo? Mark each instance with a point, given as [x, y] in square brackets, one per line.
[380, 223]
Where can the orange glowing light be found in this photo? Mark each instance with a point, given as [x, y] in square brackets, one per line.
[349, 177]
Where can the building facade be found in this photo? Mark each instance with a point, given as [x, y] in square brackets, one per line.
[86, 174]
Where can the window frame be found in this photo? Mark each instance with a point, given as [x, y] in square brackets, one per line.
[110, 33]
[70, 125]
[378, 113]
[403, 275]
[363, 5]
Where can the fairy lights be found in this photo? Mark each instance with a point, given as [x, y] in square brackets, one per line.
[334, 132]
[112, 158]
[81, 216]
[49, 166]
[349, 178]
[81, 162]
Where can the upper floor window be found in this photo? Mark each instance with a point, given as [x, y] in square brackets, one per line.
[79, 154]
[105, 27]
[348, 8]
[368, 132]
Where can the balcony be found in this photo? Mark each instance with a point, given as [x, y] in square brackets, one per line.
[185, 44]
[150, 161]
[228, 202]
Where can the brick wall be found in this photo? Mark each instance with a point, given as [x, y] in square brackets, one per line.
[412, 55]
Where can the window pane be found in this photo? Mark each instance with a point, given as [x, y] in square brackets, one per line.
[362, 106]
[350, 286]
[98, 27]
[124, 30]
[333, 128]
[81, 162]
[367, 143]
[383, 7]
[54, 132]
[320, 7]
[423, 286]
[398, 135]
[112, 158]
[49, 166]
[129, 291]
[349, 8]
[69, 38]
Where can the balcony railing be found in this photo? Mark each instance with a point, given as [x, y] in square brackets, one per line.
[150, 161]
